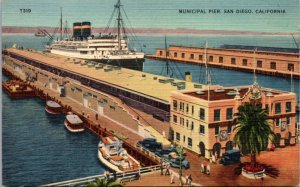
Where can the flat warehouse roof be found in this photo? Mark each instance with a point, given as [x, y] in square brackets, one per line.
[144, 83]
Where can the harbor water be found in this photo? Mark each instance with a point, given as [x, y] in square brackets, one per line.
[37, 149]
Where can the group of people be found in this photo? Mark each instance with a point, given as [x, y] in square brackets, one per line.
[205, 169]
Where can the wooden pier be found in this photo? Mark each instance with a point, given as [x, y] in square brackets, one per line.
[94, 126]
[229, 67]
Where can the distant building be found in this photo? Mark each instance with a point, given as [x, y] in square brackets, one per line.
[204, 123]
[268, 60]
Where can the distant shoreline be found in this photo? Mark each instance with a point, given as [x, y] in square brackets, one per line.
[153, 31]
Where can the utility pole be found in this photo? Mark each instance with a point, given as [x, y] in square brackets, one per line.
[61, 24]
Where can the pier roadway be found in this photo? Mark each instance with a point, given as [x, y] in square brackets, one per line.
[282, 169]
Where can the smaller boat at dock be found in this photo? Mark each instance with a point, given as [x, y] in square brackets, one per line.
[39, 34]
[53, 107]
[111, 153]
[73, 123]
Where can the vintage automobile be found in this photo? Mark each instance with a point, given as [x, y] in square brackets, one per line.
[175, 162]
[150, 144]
[231, 157]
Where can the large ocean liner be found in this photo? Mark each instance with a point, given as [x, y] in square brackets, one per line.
[109, 49]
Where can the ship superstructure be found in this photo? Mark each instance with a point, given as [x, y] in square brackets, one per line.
[109, 49]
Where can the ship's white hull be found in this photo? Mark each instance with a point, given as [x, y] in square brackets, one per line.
[73, 130]
[77, 54]
[133, 61]
[107, 163]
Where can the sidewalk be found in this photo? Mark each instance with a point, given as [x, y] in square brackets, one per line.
[282, 170]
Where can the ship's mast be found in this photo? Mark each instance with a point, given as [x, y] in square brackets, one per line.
[167, 60]
[254, 66]
[61, 24]
[207, 74]
[118, 5]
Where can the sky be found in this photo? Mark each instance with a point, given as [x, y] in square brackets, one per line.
[158, 14]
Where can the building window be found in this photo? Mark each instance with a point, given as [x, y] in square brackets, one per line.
[202, 129]
[259, 64]
[211, 58]
[181, 121]
[192, 56]
[200, 57]
[192, 126]
[233, 61]
[220, 59]
[187, 123]
[181, 107]
[183, 139]
[190, 142]
[267, 108]
[277, 122]
[177, 136]
[174, 118]
[273, 65]
[192, 109]
[229, 129]
[202, 114]
[217, 115]
[288, 107]
[187, 108]
[229, 113]
[175, 54]
[291, 67]
[245, 61]
[288, 120]
[174, 105]
[160, 53]
[277, 108]
[217, 130]
[182, 55]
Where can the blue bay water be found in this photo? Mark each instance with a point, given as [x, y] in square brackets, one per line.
[37, 149]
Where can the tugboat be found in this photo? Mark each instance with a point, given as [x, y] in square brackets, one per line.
[105, 48]
[53, 107]
[73, 123]
[111, 153]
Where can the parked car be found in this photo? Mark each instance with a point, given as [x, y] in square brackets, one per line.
[175, 162]
[165, 152]
[231, 157]
[151, 144]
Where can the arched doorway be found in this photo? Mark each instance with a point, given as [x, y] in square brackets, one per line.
[217, 149]
[287, 139]
[277, 140]
[229, 145]
[202, 149]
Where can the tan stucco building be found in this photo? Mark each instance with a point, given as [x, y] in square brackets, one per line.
[204, 123]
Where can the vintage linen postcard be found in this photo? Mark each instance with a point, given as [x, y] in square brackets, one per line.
[150, 93]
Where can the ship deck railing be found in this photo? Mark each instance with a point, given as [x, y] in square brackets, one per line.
[121, 176]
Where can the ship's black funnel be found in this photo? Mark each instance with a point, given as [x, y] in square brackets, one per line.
[86, 29]
[77, 30]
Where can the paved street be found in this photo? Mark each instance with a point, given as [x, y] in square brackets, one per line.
[282, 170]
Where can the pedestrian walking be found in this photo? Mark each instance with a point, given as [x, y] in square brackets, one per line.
[161, 167]
[186, 179]
[208, 169]
[202, 168]
[167, 169]
[190, 180]
[172, 178]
